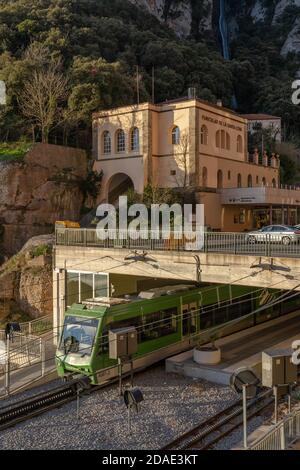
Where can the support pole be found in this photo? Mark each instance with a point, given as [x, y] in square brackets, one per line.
[78, 403]
[43, 357]
[7, 367]
[276, 403]
[245, 416]
[129, 419]
[120, 376]
[290, 400]
[131, 372]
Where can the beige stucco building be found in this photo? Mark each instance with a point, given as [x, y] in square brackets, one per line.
[256, 122]
[190, 143]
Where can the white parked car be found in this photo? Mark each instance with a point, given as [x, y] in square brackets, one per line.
[284, 234]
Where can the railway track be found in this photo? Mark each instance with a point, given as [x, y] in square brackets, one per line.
[28, 408]
[33, 406]
[208, 433]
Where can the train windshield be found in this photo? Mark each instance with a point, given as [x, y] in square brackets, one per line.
[78, 335]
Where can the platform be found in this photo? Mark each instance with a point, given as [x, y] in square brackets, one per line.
[240, 349]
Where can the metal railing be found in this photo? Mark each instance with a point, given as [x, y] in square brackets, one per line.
[281, 436]
[17, 340]
[20, 367]
[38, 326]
[21, 351]
[207, 242]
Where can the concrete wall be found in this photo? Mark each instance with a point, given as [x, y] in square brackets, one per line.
[216, 267]
[177, 266]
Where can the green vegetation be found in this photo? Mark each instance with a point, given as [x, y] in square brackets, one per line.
[90, 186]
[41, 250]
[153, 195]
[14, 151]
[94, 46]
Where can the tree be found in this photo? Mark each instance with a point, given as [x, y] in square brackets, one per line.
[181, 156]
[263, 139]
[91, 185]
[44, 91]
[155, 195]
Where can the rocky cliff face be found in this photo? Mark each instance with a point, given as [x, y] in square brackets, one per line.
[38, 191]
[26, 282]
[181, 15]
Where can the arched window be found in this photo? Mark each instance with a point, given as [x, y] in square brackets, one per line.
[204, 135]
[223, 140]
[274, 183]
[120, 141]
[106, 142]
[263, 181]
[175, 135]
[220, 179]
[249, 181]
[239, 146]
[239, 180]
[204, 177]
[218, 139]
[134, 139]
[227, 141]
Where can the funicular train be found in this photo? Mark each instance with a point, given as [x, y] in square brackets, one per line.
[168, 321]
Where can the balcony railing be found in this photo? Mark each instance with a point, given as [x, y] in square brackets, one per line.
[207, 242]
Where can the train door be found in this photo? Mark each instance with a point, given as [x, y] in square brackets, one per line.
[189, 319]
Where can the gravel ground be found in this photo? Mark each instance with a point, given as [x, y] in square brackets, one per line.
[172, 405]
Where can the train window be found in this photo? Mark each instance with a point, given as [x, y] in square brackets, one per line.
[160, 324]
[104, 343]
[220, 315]
[189, 321]
[81, 332]
[152, 326]
[206, 320]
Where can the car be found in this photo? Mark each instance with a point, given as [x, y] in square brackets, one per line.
[284, 234]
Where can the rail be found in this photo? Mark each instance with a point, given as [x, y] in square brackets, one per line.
[274, 245]
[26, 351]
[285, 433]
[208, 433]
[23, 359]
[38, 326]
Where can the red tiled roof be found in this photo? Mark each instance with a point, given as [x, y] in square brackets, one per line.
[186, 98]
[259, 117]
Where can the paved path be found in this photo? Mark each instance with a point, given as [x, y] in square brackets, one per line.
[29, 374]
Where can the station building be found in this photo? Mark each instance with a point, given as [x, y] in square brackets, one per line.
[199, 147]
[260, 122]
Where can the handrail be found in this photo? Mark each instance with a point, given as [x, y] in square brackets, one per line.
[242, 243]
[281, 435]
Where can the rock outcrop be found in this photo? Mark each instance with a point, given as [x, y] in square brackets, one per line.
[26, 282]
[180, 15]
[37, 191]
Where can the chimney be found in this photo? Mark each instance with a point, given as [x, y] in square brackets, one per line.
[220, 103]
[192, 93]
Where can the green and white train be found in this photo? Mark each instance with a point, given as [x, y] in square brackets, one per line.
[168, 320]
